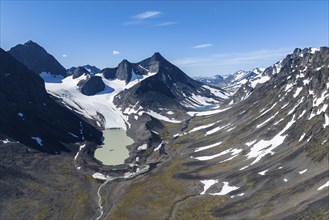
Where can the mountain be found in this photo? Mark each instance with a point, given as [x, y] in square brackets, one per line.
[153, 86]
[213, 80]
[198, 153]
[259, 158]
[125, 71]
[29, 115]
[37, 59]
[40, 141]
[169, 87]
[233, 82]
[91, 69]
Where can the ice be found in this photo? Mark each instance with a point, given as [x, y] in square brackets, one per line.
[76, 156]
[214, 130]
[143, 147]
[73, 135]
[207, 147]
[269, 119]
[38, 140]
[263, 172]
[278, 121]
[161, 117]
[285, 180]
[206, 113]
[313, 50]
[6, 141]
[158, 147]
[302, 114]
[289, 87]
[201, 127]
[263, 113]
[20, 114]
[232, 151]
[99, 176]
[301, 137]
[251, 143]
[260, 80]
[170, 113]
[298, 90]
[91, 106]
[207, 184]
[324, 185]
[225, 190]
[293, 109]
[216, 92]
[243, 168]
[264, 147]
[303, 171]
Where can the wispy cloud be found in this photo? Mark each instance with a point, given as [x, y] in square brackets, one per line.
[64, 55]
[146, 15]
[115, 52]
[228, 59]
[202, 46]
[147, 18]
[253, 56]
[163, 24]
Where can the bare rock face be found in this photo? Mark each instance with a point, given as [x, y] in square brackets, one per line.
[79, 71]
[37, 59]
[91, 85]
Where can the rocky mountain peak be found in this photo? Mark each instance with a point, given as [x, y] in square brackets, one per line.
[79, 71]
[37, 59]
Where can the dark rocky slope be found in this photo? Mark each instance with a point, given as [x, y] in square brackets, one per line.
[37, 59]
[91, 85]
[29, 115]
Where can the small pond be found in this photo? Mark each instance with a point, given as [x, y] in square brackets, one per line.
[114, 151]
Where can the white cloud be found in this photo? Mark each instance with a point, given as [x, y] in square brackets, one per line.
[146, 15]
[163, 24]
[202, 46]
[64, 55]
[115, 52]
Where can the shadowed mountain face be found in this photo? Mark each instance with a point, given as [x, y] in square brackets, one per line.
[37, 59]
[29, 115]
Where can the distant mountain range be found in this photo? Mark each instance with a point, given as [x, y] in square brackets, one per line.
[232, 82]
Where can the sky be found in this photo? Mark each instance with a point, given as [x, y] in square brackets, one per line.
[203, 38]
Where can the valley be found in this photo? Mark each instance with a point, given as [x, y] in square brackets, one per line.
[145, 141]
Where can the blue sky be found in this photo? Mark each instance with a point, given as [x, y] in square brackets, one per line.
[203, 38]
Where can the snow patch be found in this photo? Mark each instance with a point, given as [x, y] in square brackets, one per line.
[263, 172]
[324, 185]
[143, 147]
[225, 190]
[207, 147]
[207, 184]
[303, 171]
[201, 127]
[38, 140]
